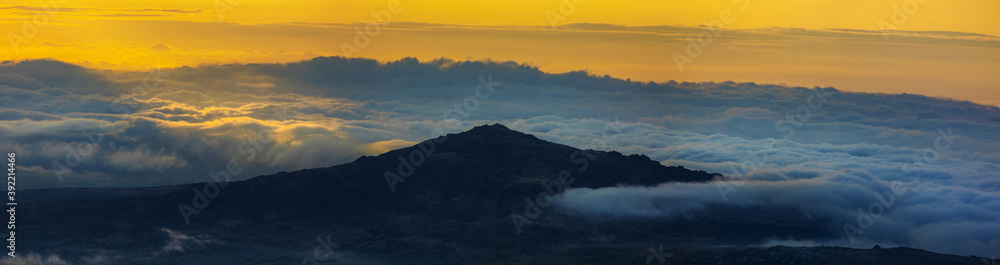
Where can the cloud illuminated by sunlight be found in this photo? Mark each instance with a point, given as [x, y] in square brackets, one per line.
[825, 42]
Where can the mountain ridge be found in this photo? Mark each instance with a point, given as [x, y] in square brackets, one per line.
[457, 206]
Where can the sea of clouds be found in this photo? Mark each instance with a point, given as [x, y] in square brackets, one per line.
[820, 150]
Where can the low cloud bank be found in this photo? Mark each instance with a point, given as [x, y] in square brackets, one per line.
[820, 150]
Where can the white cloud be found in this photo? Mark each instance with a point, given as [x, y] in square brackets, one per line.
[334, 111]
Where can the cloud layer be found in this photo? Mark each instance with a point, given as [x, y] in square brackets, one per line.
[783, 146]
[919, 62]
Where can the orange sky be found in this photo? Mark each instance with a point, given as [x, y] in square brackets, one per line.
[118, 34]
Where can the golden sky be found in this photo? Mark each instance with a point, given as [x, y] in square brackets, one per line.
[974, 16]
[944, 48]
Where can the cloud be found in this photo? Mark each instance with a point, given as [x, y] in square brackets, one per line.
[142, 160]
[338, 110]
[179, 241]
[961, 220]
[819, 150]
[49, 129]
[389, 145]
[845, 58]
[13, 115]
[34, 259]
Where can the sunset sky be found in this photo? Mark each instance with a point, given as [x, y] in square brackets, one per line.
[944, 48]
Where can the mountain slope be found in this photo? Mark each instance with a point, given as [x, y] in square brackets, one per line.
[477, 197]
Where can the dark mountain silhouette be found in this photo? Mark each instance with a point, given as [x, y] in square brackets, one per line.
[476, 197]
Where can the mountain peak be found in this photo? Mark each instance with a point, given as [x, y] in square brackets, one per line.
[490, 127]
[492, 134]
[490, 157]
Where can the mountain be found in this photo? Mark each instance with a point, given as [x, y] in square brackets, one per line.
[478, 197]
